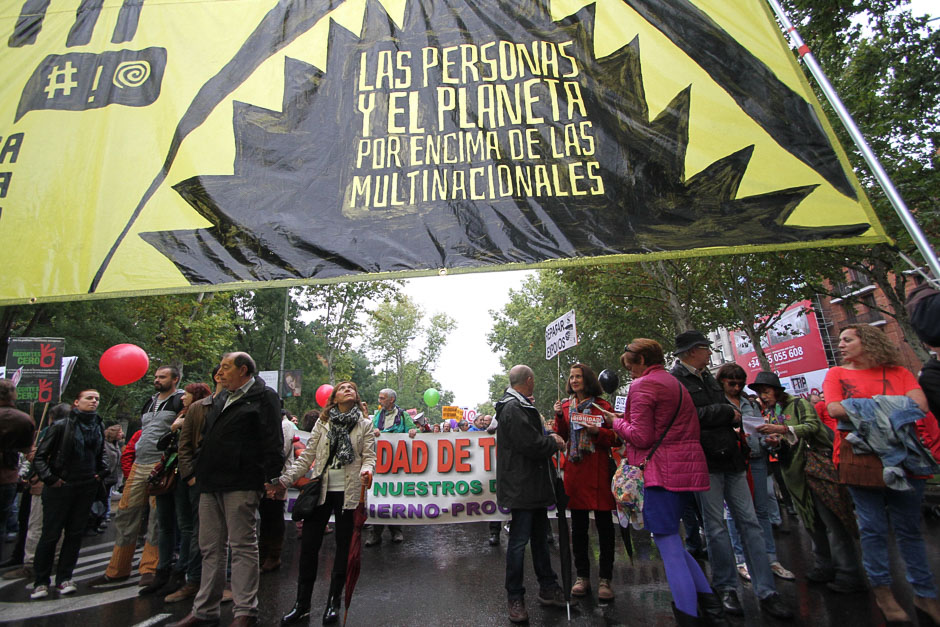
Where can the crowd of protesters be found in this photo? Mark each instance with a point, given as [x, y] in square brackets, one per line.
[204, 481]
[852, 463]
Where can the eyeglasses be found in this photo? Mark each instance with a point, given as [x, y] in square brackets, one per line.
[735, 383]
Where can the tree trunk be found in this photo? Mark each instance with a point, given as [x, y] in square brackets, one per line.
[681, 319]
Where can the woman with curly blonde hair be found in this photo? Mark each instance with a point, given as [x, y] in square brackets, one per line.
[869, 369]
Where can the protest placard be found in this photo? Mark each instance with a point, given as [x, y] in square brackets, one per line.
[588, 420]
[36, 364]
[560, 334]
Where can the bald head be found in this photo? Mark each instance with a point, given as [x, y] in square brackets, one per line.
[522, 379]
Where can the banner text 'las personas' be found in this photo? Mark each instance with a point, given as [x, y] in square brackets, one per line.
[185, 145]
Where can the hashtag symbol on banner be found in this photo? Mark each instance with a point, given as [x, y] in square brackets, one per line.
[61, 79]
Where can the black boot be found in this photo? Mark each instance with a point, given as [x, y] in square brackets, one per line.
[330, 614]
[683, 619]
[711, 610]
[160, 579]
[301, 609]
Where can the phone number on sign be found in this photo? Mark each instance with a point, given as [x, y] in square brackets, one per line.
[779, 356]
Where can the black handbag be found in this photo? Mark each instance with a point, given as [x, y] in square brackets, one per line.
[307, 500]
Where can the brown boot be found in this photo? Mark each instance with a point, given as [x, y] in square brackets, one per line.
[517, 611]
[888, 605]
[188, 591]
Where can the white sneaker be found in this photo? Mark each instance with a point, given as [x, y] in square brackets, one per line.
[781, 572]
[67, 587]
[40, 592]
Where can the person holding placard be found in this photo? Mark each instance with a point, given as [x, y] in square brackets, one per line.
[588, 436]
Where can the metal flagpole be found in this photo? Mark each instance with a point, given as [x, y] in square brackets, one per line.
[284, 330]
[920, 240]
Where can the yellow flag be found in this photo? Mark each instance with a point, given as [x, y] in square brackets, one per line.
[190, 145]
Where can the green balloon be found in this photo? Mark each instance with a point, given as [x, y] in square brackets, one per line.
[431, 397]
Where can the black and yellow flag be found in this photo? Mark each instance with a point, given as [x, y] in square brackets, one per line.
[154, 146]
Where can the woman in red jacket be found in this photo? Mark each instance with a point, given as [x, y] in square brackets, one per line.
[587, 475]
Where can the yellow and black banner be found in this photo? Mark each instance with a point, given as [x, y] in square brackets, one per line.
[152, 146]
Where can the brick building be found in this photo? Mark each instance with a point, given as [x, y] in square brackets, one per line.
[834, 313]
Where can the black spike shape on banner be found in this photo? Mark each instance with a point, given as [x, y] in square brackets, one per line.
[285, 213]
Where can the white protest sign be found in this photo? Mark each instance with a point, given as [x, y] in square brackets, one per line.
[587, 420]
[620, 404]
[562, 333]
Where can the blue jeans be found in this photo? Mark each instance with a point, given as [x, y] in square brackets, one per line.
[187, 517]
[167, 505]
[762, 508]
[878, 511]
[526, 525]
[731, 488]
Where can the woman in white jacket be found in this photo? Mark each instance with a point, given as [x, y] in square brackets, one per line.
[341, 449]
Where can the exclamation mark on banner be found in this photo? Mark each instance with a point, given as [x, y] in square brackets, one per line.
[94, 85]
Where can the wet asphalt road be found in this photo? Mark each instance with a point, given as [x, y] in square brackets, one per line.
[449, 575]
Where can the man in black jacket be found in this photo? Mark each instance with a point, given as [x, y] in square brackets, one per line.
[728, 477]
[70, 461]
[241, 449]
[525, 484]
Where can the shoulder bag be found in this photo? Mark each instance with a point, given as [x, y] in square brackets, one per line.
[627, 484]
[307, 500]
[863, 470]
[163, 477]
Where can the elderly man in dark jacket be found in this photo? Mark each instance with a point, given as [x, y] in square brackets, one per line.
[727, 475]
[241, 450]
[524, 484]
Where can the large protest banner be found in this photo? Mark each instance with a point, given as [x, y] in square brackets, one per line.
[435, 478]
[188, 145]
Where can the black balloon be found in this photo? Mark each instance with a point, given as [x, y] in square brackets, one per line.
[609, 381]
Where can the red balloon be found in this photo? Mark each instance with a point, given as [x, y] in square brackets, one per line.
[323, 394]
[123, 364]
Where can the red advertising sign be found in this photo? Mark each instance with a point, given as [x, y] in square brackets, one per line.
[793, 346]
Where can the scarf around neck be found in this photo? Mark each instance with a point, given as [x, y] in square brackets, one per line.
[579, 442]
[341, 424]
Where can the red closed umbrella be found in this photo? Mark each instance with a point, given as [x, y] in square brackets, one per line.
[354, 563]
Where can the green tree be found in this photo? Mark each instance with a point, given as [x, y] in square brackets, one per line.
[187, 330]
[882, 60]
[397, 329]
[338, 310]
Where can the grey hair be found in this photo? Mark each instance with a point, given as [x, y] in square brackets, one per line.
[389, 392]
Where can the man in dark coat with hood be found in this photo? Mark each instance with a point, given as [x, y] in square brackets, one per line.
[524, 484]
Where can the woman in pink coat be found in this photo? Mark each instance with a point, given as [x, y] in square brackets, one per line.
[658, 404]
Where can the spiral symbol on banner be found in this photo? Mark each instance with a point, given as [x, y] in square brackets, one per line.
[131, 74]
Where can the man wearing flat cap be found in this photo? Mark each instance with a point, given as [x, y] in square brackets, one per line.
[728, 478]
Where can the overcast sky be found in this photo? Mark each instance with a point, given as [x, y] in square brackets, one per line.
[467, 363]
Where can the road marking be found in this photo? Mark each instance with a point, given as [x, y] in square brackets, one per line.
[35, 609]
[159, 618]
[90, 565]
